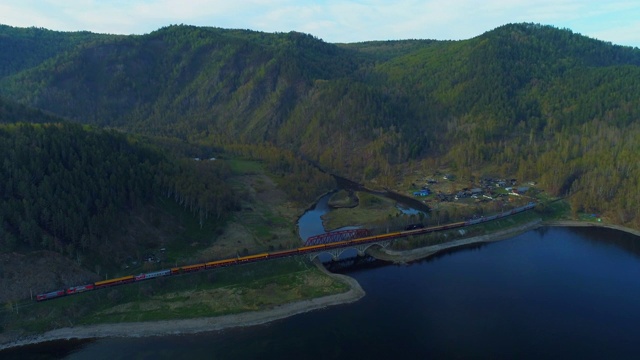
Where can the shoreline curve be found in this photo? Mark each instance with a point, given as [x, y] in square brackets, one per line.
[200, 325]
[197, 325]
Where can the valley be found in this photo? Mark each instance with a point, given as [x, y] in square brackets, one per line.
[132, 154]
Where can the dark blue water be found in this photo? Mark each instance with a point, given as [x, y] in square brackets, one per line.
[549, 293]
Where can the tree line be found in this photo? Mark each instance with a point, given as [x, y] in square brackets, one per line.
[65, 187]
[521, 99]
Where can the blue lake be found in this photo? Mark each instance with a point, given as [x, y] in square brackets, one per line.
[548, 293]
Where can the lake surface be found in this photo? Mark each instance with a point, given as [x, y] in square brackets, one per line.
[548, 293]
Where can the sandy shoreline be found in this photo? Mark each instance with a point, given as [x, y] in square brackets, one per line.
[190, 326]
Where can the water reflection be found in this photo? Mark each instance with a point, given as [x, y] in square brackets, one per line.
[599, 235]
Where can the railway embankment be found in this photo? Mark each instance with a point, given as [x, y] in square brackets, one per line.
[427, 251]
[424, 252]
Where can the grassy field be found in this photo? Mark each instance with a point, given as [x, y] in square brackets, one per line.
[245, 167]
[343, 199]
[371, 209]
[217, 292]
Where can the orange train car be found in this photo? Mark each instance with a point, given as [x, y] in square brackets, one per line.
[283, 253]
[220, 263]
[188, 268]
[112, 282]
[252, 258]
[311, 248]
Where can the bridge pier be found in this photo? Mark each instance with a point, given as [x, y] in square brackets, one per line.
[335, 254]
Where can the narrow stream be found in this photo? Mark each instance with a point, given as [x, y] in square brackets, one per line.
[310, 224]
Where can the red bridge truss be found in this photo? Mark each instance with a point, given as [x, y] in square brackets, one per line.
[336, 236]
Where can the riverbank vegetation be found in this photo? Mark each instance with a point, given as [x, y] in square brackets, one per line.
[343, 199]
[251, 287]
[369, 208]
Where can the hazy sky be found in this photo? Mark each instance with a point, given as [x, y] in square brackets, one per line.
[617, 21]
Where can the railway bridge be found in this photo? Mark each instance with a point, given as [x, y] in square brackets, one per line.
[338, 238]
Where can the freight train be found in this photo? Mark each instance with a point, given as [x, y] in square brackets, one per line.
[416, 230]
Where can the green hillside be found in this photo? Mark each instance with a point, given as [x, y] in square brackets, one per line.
[85, 203]
[523, 100]
[64, 187]
[24, 48]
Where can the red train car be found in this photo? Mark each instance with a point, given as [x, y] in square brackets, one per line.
[79, 289]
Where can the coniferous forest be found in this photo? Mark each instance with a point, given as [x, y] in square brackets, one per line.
[89, 119]
[65, 186]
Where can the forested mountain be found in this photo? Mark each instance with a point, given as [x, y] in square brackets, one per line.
[65, 185]
[23, 48]
[103, 197]
[12, 112]
[521, 100]
[182, 80]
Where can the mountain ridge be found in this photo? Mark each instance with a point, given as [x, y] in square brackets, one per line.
[506, 101]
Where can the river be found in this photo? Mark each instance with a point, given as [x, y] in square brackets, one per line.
[548, 293]
[310, 223]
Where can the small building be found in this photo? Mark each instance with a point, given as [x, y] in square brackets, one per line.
[422, 192]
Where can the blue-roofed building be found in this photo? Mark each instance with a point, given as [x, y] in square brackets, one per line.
[423, 192]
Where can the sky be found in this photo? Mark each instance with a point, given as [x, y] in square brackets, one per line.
[334, 21]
